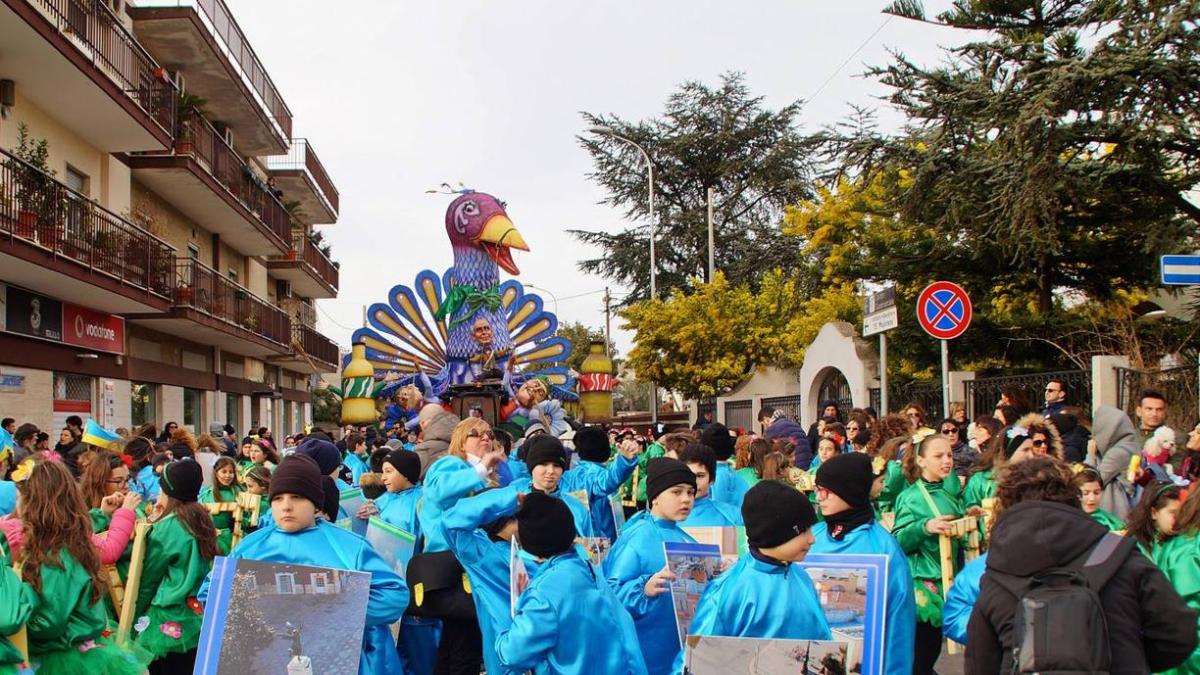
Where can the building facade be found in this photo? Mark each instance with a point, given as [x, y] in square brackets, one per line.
[157, 260]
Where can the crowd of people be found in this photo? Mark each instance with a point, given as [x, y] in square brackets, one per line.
[1084, 508]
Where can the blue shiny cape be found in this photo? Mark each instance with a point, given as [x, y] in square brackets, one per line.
[901, 624]
[569, 622]
[728, 488]
[707, 512]
[448, 480]
[145, 484]
[8, 497]
[600, 482]
[400, 509]
[327, 545]
[960, 600]
[357, 467]
[418, 636]
[486, 562]
[635, 557]
[583, 518]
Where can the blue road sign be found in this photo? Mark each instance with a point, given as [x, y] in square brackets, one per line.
[1181, 270]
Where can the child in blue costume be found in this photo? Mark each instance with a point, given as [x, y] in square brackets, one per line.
[636, 566]
[356, 458]
[601, 482]
[956, 613]
[547, 634]
[546, 459]
[844, 490]
[728, 487]
[765, 594]
[398, 506]
[300, 538]
[145, 480]
[706, 512]
[479, 530]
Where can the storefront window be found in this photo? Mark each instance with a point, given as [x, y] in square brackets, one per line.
[193, 409]
[233, 411]
[143, 398]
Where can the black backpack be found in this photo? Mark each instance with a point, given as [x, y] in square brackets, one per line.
[1059, 626]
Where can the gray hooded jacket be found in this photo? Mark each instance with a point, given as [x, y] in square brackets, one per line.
[435, 441]
[1116, 443]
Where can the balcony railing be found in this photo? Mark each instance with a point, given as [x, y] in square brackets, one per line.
[316, 346]
[323, 267]
[39, 209]
[200, 287]
[114, 51]
[220, 21]
[301, 157]
[196, 136]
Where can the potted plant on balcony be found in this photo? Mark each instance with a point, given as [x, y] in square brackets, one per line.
[107, 247]
[37, 199]
[183, 293]
[187, 107]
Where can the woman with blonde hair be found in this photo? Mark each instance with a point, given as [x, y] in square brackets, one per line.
[468, 466]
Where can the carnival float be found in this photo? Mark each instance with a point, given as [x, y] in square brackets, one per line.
[466, 340]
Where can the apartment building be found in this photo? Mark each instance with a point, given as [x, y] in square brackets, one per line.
[156, 220]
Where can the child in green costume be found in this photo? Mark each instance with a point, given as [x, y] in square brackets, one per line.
[1179, 559]
[180, 549]
[1090, 488]
[67, 628]
[923, 512]
[258, 482]
[16, 604]
[1152, 521]
[224, 489]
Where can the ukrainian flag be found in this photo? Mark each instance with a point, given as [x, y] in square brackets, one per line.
[94, 434]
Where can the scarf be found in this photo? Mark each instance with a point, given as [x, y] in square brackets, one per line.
[841, 524]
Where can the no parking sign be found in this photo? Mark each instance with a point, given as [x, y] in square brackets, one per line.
[944, 310]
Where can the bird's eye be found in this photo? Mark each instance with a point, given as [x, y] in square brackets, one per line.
[471, 209]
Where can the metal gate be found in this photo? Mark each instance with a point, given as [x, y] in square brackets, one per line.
[739, 415]
[790, 405]
[835, 388]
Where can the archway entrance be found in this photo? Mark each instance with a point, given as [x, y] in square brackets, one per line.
[834, 387]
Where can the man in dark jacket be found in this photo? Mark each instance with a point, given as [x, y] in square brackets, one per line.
[776, 424]
[1150, 628]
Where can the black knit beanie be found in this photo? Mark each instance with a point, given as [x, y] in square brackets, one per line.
[545, 448]
[716, 436]
[325, 454]
[298, 475]
[774, 513]
[592, 444]
[663, 473]
[407, 463]
[182, 480]
[545, 526]
[848, 476]
[332, 497]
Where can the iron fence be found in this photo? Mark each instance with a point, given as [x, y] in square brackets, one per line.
[706, 406]
[302, 157]
[791, 405]
[739, 415]
[982, 394]
[928, 394]
[1177, 385]
[202, 288]
[37, 208]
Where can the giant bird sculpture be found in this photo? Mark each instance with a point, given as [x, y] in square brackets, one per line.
[466, 325]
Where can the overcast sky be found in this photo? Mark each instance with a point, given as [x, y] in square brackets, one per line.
[397, 97]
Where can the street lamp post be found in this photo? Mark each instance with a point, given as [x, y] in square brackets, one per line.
[608, 131]
[549, 292]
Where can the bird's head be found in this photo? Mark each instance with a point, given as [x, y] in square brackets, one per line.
[478, 219]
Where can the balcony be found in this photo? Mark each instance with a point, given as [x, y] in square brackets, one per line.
[310, 351]
[211, 309]
[76, 61]
[207, 180]
[201, 39]
[302, 177]
[56, 241]
[306, 268]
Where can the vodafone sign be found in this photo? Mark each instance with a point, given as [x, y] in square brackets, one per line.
[85, 328]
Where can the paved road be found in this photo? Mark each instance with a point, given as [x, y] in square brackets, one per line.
[950, 665]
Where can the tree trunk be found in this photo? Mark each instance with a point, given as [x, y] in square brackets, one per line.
[1045, 287]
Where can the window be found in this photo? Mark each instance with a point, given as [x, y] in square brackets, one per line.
[76, 180]
[193, 409]
[287, 419]
[143, 399]
[285, 583]
[233, 410]
[320, 583]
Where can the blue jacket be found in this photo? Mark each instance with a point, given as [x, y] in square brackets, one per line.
[145, 484]
[485, 561]
[400, 509]
[787, 428]
[960, 600]
[8, 497]
[601, 482]
[635, 557]
[569, 622]
[448, 480]
[728, 488]
[357, 468]
[901, 624]
[583, 519]
[709, 513]
[757, 599]
[327, 545]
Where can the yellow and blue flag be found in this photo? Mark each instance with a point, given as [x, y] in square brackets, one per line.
[94, 434]
[6, 445]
